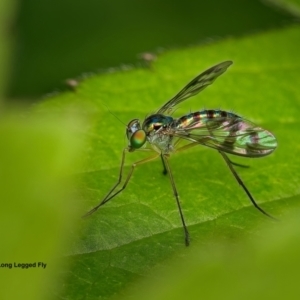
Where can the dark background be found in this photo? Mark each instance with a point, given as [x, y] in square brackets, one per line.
[60, 39]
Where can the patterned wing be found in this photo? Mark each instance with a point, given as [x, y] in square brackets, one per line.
[233, 135]
[195, 86]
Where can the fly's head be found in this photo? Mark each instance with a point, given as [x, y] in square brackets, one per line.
[136, 135]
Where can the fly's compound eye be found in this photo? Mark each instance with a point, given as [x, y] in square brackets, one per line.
[138, 139]
[135, 135]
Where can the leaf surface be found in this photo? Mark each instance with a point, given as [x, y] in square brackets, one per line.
[140, 229]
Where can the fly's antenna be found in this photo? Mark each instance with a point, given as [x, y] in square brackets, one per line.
[114, 115]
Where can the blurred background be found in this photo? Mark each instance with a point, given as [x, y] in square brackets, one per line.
[54, 40]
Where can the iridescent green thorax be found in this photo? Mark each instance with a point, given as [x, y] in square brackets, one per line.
[156, 122]
[157, 128]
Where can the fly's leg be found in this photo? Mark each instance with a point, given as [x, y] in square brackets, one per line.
[112, 193]
[165, 172]
[237, 164]
[166, 164]
[239, 180]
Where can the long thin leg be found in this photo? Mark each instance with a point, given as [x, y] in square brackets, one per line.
[111, 194]
[237, 164]
[192, 144]
[186, 233]
[187, 146]
[239, 180]
[165, 172]
[112, 189]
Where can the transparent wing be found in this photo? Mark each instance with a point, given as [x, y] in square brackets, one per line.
[232, 135]
[195, 86]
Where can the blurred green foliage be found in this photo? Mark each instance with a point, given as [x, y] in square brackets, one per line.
[266, 267]
[57, 40]
[38, 208]
[7, 9]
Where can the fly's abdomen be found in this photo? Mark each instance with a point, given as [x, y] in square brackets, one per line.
[200, 118]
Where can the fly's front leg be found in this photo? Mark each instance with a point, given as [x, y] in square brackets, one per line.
[166, 164]
[112, 193]
[112, 189]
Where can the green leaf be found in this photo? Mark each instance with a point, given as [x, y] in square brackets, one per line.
[139, 229]
[266, 267]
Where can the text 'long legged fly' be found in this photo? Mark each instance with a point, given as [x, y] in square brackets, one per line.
[221, 130]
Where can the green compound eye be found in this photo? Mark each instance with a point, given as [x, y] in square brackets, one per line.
[138, 139]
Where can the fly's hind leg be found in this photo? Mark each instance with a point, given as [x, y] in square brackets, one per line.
[237, 164]
[241, 183]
